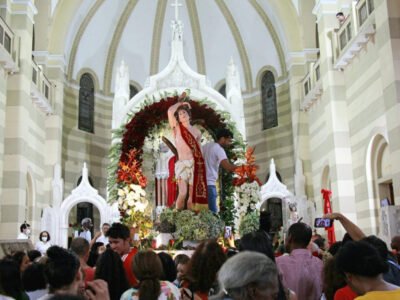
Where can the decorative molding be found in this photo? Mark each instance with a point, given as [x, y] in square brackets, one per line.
[24, 7]
[239, 43]
[79, 35]
[197, 38]
[274, 35]
[156, 40]
[116, 38]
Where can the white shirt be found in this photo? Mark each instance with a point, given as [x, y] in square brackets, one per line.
[42, 247]
[102, 239]
[213, 154]
[22, 236]
[86, 234]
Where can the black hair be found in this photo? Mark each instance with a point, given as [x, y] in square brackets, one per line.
[265, 221]
[360, 258]
[33, 254]
[109, 267]
[168, 265]
[61, 268]
[339, 14]
[335, 247]
[300, 234]
[10, 278]
[223, 133]
[66, 297]
[118, 231]
[346, 238]
[41, 234]
[320, 242]
[257, 241]
[181, 259]
[378, 244]
[33, 277]
[93, 254]
[24, 226]
[18, 257]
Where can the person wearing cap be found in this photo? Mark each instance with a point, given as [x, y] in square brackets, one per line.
[86, 225]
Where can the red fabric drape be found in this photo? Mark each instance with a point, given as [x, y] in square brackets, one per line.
[199, 197]
[327, 210]
[171, 183]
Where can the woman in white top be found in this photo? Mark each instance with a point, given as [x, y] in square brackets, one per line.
[44, 242]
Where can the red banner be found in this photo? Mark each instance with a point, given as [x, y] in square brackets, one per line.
[326, 194]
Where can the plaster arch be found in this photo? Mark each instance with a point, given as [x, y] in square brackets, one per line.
[97, 87]
[261, 72]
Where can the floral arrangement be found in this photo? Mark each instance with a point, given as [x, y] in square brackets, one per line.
[126, 156]
[247, 187]
[249, 223]
[192, 226]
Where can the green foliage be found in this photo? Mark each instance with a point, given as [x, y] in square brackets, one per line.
[250, 223]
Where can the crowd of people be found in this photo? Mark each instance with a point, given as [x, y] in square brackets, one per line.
[305, 267]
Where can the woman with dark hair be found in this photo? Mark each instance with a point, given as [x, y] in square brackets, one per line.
[22, 259]
[109, 267]
[34, 281]
[169, 269]
[10, 279]
[95, 251]
[44, 242]
[148, 270]
[364, 267]
[260, 242]
[204, 265]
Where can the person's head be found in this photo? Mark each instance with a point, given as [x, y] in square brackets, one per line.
[395, 244]
[335, 247]
[183, 114]
[80, 247]
[86, 223]
[181, 264]
[109, 267]
[169, 269]
[321, 243]
[119, 238]
[340, 17]
[10, 278]
[147, 268]
[22, 260]
[62, 270]
[224, 137]
[104, 228]
[249, 275]
[44, 236]
[204, 264]
[34, 254]
[379, 245]
[333, 279]
[298, 237]
[25, 228]
[94, 253]
[361, 264]
[33, 278]
[257, 241]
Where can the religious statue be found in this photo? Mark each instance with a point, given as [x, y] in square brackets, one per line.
[189, 168]
[293, 215]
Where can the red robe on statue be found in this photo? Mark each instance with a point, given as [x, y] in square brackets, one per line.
[171, 182]
[199, 198]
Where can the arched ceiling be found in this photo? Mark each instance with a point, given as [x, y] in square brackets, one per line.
[97, 35]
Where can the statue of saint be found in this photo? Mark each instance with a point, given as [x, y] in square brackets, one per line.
[190, 170]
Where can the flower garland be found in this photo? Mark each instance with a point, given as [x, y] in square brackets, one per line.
[126, 157]
[247, 187]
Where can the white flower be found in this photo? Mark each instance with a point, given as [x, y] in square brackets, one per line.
[121, 192]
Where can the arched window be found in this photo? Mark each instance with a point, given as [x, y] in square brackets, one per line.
[268, 100]
[132, 91]
[86, 103]
[222, 90]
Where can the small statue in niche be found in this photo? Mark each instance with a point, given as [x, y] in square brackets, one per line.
[293, 215]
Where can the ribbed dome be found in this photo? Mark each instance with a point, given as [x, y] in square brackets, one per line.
[104, 32]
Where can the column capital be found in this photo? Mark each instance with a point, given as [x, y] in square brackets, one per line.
[24, 7]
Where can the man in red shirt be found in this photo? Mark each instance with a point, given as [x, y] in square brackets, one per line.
[120, 242]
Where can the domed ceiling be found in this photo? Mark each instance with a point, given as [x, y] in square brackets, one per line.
[104, 32]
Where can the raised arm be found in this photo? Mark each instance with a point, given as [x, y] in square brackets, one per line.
[171, 111]
[352, 229]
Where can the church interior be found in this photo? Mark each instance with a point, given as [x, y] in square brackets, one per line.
[317, 98]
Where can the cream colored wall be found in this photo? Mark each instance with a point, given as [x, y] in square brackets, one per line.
[3, 92]
[80, 146]
[277, 142]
